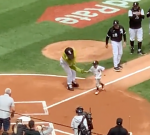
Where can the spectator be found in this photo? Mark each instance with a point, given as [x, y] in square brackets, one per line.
[31, 130]
[44, 130]
[18, 128]
[5, 133]
[6, 106]
[118, 129]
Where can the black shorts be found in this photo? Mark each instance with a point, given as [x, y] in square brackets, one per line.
[5, 123]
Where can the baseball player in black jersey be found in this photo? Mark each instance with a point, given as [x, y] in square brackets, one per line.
[115, 33]
[136, 15]
[148, 16]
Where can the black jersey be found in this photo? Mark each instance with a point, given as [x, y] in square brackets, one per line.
[135, 21]
[116, 34]
[148, 13]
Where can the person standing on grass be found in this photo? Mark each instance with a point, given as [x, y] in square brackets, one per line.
[7, 109]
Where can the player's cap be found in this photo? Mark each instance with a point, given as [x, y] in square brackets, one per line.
[135, 4]
[79, 110]
[115, 22]
[119, 121]
[69, 52]
[95, 62]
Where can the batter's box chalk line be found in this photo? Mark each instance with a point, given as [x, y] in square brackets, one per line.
[44, 106]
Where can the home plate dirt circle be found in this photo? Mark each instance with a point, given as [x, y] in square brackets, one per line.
[87, 50]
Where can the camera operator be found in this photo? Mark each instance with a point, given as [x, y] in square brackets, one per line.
[118, 129]
[44, 130]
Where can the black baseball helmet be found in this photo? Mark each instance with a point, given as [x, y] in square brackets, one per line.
[69, 52]
[119, 121]
[135, 5]
[79, 110]
[115, 22]
[95, 62]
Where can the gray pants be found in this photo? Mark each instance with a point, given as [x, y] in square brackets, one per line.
[71, 74]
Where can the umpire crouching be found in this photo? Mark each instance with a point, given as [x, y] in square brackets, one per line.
[118, 129]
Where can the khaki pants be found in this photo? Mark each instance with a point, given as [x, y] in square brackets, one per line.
[98, 82]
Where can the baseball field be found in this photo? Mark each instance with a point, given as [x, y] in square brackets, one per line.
[33, 35]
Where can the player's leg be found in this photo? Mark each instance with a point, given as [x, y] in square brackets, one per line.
[140, 39]
[132, 33]
[102, 84]
[120, 52]
[6, 124]
[68, 71]
[74, 83]
[97, 86]
[115, 55]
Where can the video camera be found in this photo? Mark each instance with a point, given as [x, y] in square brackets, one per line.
[89, 119]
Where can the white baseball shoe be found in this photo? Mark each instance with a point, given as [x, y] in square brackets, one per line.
[97, 92]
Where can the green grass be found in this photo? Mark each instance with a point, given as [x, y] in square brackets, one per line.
[142, 89]
[22, 39]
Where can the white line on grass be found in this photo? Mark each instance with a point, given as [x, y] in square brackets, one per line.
[121, 78]
[37, 75]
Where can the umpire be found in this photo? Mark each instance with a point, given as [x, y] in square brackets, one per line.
[118, 129]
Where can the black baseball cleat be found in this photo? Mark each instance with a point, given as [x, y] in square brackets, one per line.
[70, 87]
[117, 69]
[140, 52]
[119, 66]
[132, 51]
[75, 84]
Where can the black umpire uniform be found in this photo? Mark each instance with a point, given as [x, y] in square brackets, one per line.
[118, 129]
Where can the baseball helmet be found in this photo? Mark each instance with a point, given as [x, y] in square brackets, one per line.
[79, 110]
[135, 5]
[95, 62]
[115, 22]
[69, 52]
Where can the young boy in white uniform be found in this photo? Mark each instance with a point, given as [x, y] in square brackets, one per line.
[97, 70]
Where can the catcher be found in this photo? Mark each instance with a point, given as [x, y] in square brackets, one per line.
[97, 70]
[68, 63]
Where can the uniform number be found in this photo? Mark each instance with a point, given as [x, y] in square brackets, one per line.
[115, 35]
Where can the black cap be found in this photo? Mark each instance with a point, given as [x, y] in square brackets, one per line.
[115, 22]
[119, 121]
[79, 110]
[69, 52]
[135, 3]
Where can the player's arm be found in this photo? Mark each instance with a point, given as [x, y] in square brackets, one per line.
[108, 36]
[142, 15]
[131, 15]
[148, 13]
[77, 69]
[101, 68]
[124, 35]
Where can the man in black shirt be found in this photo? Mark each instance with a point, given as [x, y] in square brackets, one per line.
[148, 16]
[115, 33]
[136, 15]
[118, 129]
[31, 130]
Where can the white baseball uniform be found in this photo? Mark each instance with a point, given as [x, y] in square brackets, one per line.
[97, 73]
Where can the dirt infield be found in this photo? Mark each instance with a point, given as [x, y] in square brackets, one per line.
[33, 93]
[87, 50]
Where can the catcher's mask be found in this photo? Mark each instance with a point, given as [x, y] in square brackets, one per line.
[135, 5]
[116, 24]
[79, 110]
[95, 63]
[69, 52]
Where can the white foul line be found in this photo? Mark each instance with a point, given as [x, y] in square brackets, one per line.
[44, 75]
[121, 78]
